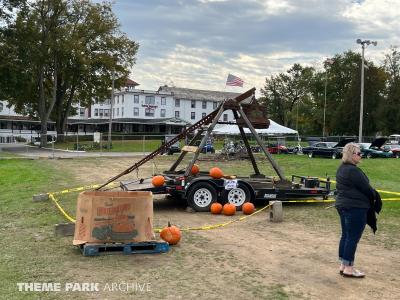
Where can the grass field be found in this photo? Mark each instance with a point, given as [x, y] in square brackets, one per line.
[29, 251]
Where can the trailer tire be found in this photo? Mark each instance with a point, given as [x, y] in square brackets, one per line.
[237, 196]
[201, 196]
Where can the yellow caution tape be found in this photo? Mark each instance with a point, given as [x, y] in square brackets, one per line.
[380, 191]
[68, 217]
[387, 192]
[82, 188]
[210, 227]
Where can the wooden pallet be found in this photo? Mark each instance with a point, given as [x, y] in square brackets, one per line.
[121, 248]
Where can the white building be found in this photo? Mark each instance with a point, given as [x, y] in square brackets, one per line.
[134, 111]
[16, 127]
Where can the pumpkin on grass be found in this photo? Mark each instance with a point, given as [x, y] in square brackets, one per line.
[229, 209]
[216, 173]
[158, 180]
[195, 169]
[216, 208]
[248, 208]
[171, 234]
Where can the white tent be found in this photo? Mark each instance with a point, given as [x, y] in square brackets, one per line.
[273, 129]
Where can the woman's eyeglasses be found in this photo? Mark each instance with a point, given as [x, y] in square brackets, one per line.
[357, 153]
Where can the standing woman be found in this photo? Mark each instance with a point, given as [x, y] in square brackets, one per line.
[354, 197]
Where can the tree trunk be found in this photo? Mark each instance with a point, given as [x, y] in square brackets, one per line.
[44, 114]
[42, 110]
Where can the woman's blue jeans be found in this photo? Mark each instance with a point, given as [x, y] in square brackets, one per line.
[353, 221]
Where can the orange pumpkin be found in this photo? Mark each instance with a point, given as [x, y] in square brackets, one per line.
[216, 173]
[229, 209]
[171, 234]
[195, 169]
[158, 180]
[216, 208]
[248, 208]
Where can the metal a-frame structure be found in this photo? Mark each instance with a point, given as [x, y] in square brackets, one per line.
[207, 124]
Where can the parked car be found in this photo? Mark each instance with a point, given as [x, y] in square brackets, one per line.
[207, 148]
[275, 149]
[374, 149]
[173, 149]
[327, 149]
[51, 139]
[394, 148]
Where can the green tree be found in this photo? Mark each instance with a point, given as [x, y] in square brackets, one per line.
[343, 95]
[285, 93]
[59, 52]
[389, 114]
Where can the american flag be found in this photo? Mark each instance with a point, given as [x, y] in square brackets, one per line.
[233, 80]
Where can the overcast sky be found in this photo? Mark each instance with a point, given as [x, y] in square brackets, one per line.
[196, 43]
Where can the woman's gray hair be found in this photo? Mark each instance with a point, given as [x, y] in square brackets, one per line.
[348, 152]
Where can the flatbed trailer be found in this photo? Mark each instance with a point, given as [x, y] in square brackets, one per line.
[201, 190]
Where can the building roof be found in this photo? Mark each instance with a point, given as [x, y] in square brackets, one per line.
[192, 94]
[130, 82]
[168, 121]
[21, 119]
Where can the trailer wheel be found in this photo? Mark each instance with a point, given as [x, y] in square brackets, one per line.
[237, 196]
[201, 196]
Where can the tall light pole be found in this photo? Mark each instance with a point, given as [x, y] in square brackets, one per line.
[330, 62]
[111, 111]
[363, 44]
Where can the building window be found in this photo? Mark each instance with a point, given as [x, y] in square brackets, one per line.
[215, 104]
[1, 106]
[106, 112]
[149, 112]
[82, 112]
[113, 112]
[193, 115]
[118, 99]
[122, 111]
[162, 113]
[193, 104]
[123, 96]
[118, 111]
[150, 100]
[96, 112]
[225, 117]
[203, 115]
[177, 102]
[100, 112]
[204, 105]
[163, 101]
[176, 114]
[136, 99]
[136, 111]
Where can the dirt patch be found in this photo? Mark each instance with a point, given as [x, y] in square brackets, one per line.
[252, 259]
